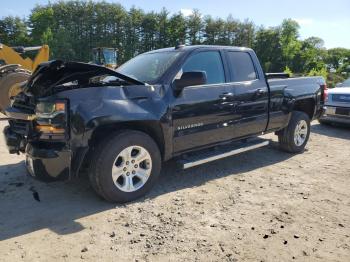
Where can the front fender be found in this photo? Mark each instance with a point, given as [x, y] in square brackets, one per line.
[93, 107]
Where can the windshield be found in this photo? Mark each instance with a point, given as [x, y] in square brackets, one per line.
[110, 56]
[346, 83]
[148, 67]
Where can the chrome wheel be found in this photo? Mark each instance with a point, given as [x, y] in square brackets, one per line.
[300, 133]
[131, 168]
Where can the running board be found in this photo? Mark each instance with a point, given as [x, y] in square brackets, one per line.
[196, 159]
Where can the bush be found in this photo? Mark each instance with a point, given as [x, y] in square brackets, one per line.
[333, 79]
[288, 71]
[318, 72]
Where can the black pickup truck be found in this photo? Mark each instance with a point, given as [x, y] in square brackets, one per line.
[192, 103]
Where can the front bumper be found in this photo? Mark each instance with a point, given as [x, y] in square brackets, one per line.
[336, 115]
[44, 160]
[48, 163]
[13, 141]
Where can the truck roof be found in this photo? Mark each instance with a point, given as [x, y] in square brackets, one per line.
[193, 47]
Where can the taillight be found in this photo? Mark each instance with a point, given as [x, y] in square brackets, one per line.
[324, 92]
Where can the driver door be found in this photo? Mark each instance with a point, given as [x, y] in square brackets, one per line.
[200, 112]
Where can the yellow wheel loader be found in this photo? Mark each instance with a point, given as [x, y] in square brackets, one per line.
[15, 70]
[105, 56]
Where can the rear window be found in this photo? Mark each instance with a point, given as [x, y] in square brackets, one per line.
[241, 66]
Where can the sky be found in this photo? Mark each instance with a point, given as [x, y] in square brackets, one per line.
[329, 20]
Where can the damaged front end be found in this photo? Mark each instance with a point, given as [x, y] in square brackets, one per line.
[40, 130]
[20, 128]
[39, 120]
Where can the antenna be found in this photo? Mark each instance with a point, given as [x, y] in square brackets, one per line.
[179, 45]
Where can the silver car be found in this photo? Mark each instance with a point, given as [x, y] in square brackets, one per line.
[338, 104]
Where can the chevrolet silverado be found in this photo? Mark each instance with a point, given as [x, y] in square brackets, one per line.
[192, 103]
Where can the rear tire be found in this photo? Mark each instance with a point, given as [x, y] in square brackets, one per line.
[125, 166]
[295, 136]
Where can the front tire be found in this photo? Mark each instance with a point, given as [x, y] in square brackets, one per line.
[295, 136]
[125, 166]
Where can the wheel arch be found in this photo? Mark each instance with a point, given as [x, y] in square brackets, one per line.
[149, 127]
[306, 105]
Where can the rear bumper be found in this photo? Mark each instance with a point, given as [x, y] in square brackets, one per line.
[48, 164]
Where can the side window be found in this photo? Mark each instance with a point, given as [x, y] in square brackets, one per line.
[209, 62]
[241, 66]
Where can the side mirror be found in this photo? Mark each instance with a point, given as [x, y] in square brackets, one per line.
[193, 78]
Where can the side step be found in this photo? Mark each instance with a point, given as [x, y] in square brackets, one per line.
[209, 155]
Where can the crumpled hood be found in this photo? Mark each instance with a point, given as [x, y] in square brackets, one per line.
[54, 73]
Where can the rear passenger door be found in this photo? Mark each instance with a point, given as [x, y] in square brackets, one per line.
[251, 96]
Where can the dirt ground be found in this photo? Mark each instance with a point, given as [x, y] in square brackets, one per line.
[264, 205]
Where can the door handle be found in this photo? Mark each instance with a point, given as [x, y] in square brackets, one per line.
[260, 91]
[226, 95]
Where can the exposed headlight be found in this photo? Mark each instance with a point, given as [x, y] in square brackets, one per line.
[50, 109]
[51, 119]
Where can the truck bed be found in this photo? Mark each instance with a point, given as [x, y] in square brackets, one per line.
[300, 82]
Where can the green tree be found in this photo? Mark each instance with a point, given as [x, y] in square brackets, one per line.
[338, 59]
[177, 29]
[230, 30]
[245, 34]
[41, 20]
[268, 47]
[194, 28]
[149, 32]
[13, 31]
[289, 42]
[214, 31]
[133, 32]
[311, 55]
[163, 29]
